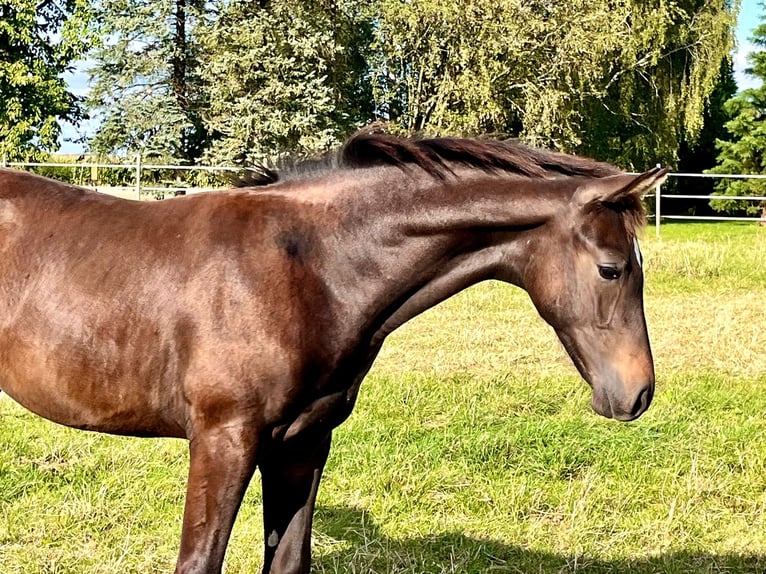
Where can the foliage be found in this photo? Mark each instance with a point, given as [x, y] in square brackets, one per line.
[696, 156]
[76, 174]
[660, 80]
[622, 81]
[744, 150]
[145, 86]
[284, 76]
[39, 41]
[443, 66]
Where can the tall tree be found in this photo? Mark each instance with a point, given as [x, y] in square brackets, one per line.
[744, 150]
[145, 82]
[701, 154]
[39, 41]
[285, 76]
[668, 65]
[623, 81]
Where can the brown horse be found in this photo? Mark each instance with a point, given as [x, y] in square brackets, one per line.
[245, 320]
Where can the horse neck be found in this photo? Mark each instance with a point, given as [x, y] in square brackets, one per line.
[407, 245]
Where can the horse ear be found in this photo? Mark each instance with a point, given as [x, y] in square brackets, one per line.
[615, 188]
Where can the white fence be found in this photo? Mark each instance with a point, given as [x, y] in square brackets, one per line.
[139, 189]
[659, 198]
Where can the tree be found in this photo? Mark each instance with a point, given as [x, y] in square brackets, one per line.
[450, 67]
[658, 86]
[39, 41]
[622, 81]
[744, 151]
[284, 76]
[145, 82]
[699, 155]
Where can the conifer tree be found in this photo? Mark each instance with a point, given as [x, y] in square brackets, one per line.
[744, 151]
[285, 77]
[145, 85]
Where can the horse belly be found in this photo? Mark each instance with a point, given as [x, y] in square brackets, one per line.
[94, 391]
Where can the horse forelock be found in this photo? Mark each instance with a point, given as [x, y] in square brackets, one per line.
[631, 210]
[633, 214]
[438, 157]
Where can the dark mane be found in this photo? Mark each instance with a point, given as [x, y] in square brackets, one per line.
[438, 157]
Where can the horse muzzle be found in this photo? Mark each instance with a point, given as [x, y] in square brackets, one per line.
[621, 375]
[625, 405]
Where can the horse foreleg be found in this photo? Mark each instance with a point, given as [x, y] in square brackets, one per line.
[290, 483]
[222, 462]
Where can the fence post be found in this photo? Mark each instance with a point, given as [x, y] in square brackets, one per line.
[138, 176]
[5, 159]
[657, 200]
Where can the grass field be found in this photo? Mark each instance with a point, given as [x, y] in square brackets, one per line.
[472, 449]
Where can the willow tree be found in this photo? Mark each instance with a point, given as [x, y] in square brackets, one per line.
[658, 83]
[624, 81]
[284, 76]
[39, 41]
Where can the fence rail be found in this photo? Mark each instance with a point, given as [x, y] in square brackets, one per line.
[142, 183]
[140, 186]
[659, 197]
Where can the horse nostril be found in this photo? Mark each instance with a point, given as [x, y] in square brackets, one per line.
[642, 402]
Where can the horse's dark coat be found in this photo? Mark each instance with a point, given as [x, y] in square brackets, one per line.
[246, 320]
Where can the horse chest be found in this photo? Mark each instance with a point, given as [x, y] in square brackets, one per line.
[327, 408]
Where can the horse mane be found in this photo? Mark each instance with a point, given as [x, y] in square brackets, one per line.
[437, 156]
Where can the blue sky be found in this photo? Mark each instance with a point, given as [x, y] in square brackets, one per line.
[749, 15]
[750, 11]
[78, 84]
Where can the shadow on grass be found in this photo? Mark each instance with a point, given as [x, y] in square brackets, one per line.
[363, 548]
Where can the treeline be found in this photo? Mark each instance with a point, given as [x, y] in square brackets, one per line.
[229, 81]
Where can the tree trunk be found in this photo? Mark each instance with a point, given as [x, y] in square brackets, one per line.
[180, 54]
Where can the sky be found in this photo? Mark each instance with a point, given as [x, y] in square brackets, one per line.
[78, 84]
[750, 11]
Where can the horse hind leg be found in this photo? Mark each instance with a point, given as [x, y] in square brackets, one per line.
[222, 462]
[290, 479]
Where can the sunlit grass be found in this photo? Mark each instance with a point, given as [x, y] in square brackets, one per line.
[692, 256]
[472, 449]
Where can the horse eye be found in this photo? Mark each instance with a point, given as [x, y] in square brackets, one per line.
[608, 272]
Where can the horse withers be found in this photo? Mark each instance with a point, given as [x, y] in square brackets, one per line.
[245, 320]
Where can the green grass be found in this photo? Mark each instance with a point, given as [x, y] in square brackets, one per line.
[472, 449]
[693, 257]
